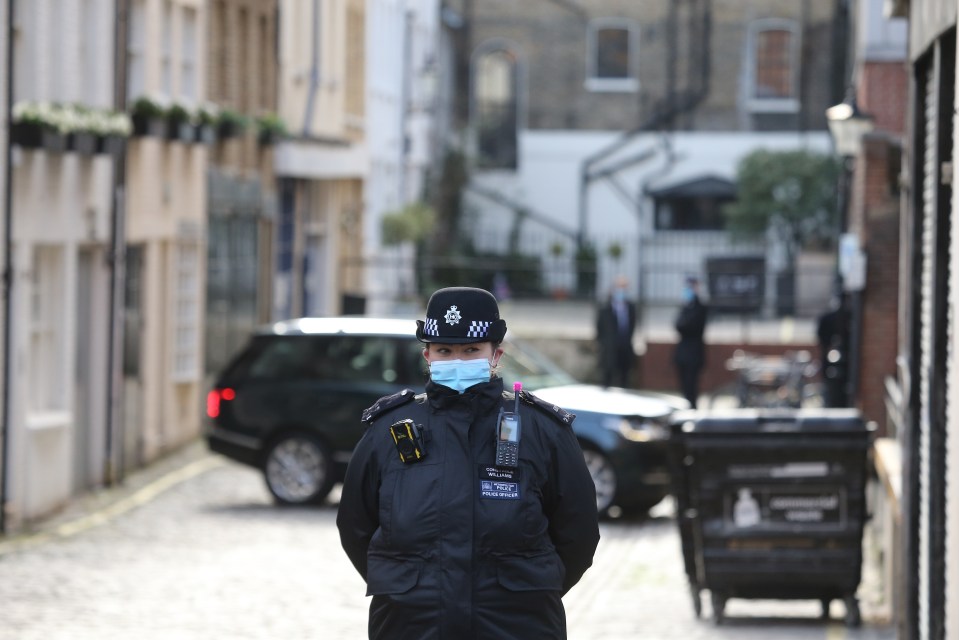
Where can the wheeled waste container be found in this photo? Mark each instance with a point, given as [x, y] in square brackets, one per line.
[771, 504]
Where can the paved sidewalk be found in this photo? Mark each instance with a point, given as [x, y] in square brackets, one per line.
[193, 547]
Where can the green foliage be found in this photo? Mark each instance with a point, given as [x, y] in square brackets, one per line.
[146, 107]
[232, 119]
[178, 114]
[794, 192]
[270, 124]
[412, 223]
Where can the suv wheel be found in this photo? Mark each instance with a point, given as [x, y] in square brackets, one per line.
[297, 470]
[604, 478]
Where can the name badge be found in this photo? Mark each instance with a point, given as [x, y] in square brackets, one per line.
[498, 484]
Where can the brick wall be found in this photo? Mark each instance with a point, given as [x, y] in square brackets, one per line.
[875, 216]
[550, 40]
[884, 93]
[655, 369]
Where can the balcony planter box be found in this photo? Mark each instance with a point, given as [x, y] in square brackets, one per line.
[110, 145]
[268, 138]
[181, 132]
[145, 126]
[205, 134]
[227, 130]
[28, 135]
[85, 142]
[56, 142]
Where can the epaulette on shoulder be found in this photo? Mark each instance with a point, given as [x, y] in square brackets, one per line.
[386, 403]
[552, 410]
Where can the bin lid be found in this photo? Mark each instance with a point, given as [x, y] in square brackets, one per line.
[772, 421]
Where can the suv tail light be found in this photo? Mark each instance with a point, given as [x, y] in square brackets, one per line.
[215, 397]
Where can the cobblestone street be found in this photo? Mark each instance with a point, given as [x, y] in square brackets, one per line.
[197, 550]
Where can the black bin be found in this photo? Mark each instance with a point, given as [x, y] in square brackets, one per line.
[771, 504]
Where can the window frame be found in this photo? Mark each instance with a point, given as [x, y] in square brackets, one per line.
[185, 312]
[136, 51]
[47, 359]
[629, 83]
[757, 104]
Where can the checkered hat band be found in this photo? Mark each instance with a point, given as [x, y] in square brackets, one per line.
[478, 329]
[430, 327]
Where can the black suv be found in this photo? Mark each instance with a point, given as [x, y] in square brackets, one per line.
[290, 404]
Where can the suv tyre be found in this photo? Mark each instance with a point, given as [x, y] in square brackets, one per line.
[298, 469]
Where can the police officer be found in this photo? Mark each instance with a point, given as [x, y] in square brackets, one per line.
[453, 540]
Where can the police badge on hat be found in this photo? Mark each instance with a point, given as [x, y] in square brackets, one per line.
[461, 315]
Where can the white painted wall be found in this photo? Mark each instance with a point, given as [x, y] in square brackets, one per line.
[166, 213]
[61, 202]
[548, 177]
[402, 40]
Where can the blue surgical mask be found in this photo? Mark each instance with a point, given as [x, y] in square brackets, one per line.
[460, 375]
[688, 294]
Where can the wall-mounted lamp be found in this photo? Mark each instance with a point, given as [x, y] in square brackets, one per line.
[848, 124]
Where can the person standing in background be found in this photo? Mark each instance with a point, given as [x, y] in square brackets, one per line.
[615, 325]
[690, 354]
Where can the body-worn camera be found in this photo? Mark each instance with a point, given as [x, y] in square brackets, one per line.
[409, 440]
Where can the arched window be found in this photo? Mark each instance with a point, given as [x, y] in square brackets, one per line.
[495, 114]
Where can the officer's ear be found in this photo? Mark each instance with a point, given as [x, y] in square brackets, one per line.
[426, 352]
[497, 354]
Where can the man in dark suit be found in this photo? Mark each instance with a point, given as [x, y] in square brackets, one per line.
[615, 325]
[690, 354]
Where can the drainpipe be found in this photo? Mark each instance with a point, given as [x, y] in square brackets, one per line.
[113, 463]
[7, 280]
[314, 68]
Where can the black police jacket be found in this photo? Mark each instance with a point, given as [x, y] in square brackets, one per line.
[453, 547]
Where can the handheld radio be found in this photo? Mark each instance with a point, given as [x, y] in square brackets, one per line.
[508, 433]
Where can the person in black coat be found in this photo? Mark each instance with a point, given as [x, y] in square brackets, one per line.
[690, 354]
[615, 325]
[452, 541]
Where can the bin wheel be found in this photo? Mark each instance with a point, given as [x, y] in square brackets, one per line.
[825, 602]
[697, 600]
[719, 607]
[853, 616]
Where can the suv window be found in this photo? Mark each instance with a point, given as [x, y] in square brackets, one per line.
[374, 359]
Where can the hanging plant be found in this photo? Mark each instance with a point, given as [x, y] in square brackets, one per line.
[230, 123]
[270, 128]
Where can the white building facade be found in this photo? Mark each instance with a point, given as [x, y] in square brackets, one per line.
[61, 229]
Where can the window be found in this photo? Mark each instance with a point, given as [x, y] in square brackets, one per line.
[46, 366]
[90, 73]
[243, 24]
[495, 109]
[774, 47]
[188, 61]
[166, 50]
[136, 51]
[186, 365]
[133, 310]
[611, 64]
[58, 79]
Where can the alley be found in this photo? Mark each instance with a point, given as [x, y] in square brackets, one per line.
[199, 551]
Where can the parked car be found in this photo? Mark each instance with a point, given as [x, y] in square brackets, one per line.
[290, 404]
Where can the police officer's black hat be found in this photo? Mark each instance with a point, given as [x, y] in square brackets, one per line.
[461, 315]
